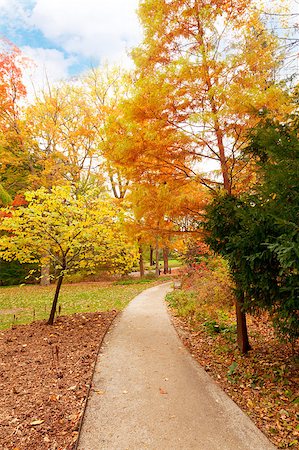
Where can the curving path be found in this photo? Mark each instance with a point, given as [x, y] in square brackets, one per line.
[148, 392]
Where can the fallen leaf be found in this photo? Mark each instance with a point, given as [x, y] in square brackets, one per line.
[99, 392]
[162, 391]
[36, 422]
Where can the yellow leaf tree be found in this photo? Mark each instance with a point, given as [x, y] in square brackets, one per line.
[63, 137]
[74, 231]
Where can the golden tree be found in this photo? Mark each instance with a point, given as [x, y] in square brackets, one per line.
[73, 231]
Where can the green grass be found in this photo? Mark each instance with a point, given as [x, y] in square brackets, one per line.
[171, 264]
[175, 263]
[23, 304]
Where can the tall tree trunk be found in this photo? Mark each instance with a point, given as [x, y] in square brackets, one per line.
[45, 274]
[141, 262]
[151, 256]
[54, 304]
[157, 257]
[242, 334]
[165, 259]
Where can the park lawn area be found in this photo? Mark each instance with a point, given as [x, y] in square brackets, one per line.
[172, 263]
[26, 303]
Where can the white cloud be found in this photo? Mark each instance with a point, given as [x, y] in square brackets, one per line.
[15, 13]
[98, 29]
[50, 65]
[83, 30]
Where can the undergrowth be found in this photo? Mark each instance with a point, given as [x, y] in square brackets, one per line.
[265, 381]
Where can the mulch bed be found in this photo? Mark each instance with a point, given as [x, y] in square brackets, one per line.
[264, 383]
[45, 372]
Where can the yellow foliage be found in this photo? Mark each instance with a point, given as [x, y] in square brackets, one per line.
[74, 232]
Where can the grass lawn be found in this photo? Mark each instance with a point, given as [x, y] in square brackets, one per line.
[175, 263]
[23, 304]
[171, 264]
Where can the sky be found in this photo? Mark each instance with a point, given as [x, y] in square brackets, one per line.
[67, 37]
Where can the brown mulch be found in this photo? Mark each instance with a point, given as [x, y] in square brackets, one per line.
[264, 383]
[44, 380]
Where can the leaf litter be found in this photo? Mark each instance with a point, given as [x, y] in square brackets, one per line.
[45, 373]
[264, 383]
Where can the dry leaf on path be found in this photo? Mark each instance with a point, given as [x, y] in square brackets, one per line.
[162, 391]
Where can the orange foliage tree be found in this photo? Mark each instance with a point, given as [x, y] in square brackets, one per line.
[161, 213]
[105, 89]
[205, 75]
[205, 70]
[16, 163]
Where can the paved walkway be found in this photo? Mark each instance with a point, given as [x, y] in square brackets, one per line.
[149, 393]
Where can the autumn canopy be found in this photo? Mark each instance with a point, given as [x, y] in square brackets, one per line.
[197, 142]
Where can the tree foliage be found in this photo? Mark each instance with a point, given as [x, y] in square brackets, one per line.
[258, 234]
[63, 140]
[204, 75]
[74, 231]
[15, 165]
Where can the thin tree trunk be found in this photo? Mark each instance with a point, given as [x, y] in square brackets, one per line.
[157, 258]
[45, 275]
[141, 262]
[151, 256]
[54, 304]
[242, 334]
[165, 259]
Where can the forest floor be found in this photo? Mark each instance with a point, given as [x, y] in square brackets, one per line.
[46, 372]
[44, 380]
[264, 383]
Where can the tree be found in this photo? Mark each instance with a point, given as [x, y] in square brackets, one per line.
[258, 233]
[204, 77]
[276, 146]
[105, 89]
[12, 89]
[16, 164]
[63, 137]
[205, 70]
[160, 213]
[73, 231]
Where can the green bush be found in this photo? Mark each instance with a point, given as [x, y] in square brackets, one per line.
[183, 302]
[213, 327]
[14, 273]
